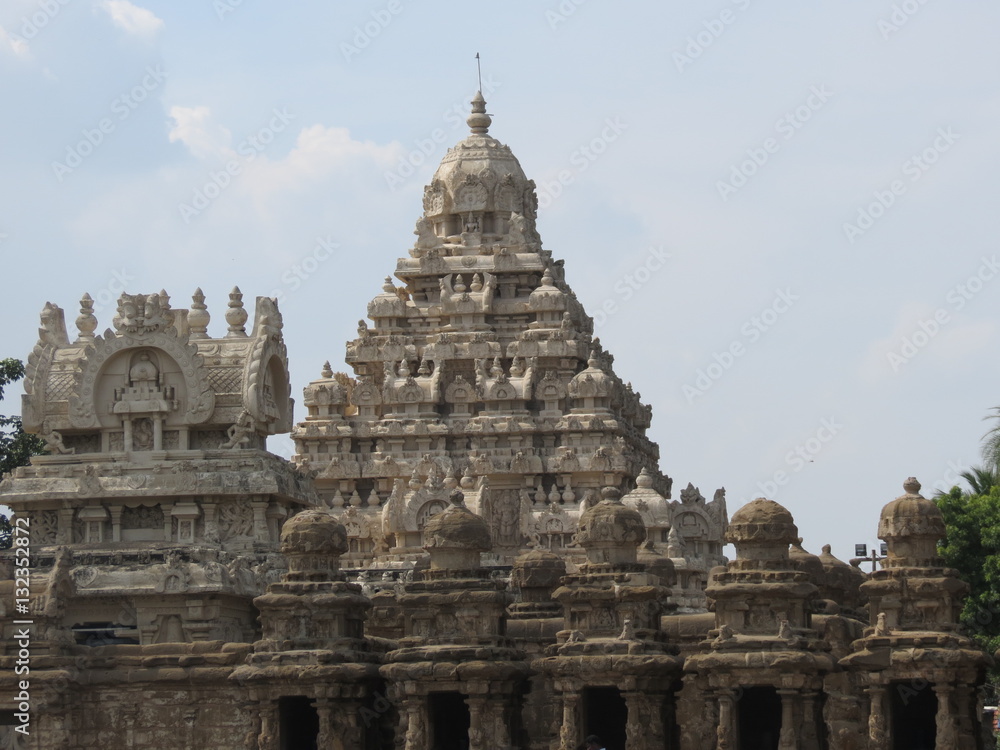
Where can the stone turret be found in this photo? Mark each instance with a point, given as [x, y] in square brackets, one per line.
[480, 367]
[914, 645]
[157, 478]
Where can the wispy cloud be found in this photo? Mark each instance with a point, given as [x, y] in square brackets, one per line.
[13, 44]
[132, 19]
[193, 126]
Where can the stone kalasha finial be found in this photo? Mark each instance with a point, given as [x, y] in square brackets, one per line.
[236, 316]
[164, 299]
[387, 286]
[645, 479]
[479, 122]
[198, 317]
[327, 371]
[911, 486]
[87, 322]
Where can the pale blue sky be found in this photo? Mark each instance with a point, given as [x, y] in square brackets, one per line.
[833, 101]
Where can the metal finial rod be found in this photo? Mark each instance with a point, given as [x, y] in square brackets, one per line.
[479, 70]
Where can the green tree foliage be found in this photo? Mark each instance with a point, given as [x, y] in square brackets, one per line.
[972, 546]
[16, 446]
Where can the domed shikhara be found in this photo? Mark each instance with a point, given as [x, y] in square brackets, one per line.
[313, 541]
[911, 526]
[610, 531]
[480, 188]
[481, 363]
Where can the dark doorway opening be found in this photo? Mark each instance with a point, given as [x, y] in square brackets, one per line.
[298, 723]
[914, 708]
[760, 718]
[449, 721]
[605, 714]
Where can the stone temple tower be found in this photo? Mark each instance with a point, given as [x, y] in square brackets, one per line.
[479, 370]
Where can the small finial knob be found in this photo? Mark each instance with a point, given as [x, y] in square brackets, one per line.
[236, 316]
[387, 286]
[912, 486]
[479, 122]
[645, 479]
[327, 371]
[87, 322]
[459, 284]
[198, 317]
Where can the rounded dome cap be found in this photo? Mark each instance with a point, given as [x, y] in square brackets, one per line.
[313, 532]
[609, 524]
[481, 175]
[806, 561]
[457, 528]
[645, 498]
[911, 515]
[538, 569]
[762, 520]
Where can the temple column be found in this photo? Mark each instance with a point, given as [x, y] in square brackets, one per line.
[260, 533]
[789, 737]
[725, 733]
[65, 533]
[569, 732]
[269, 726]
[415, 735]
[477, 735]
[878, 736]
[644, 726]
[947, 730]
[809, 736]
[325, 735]
[116, 523]
[501, 731]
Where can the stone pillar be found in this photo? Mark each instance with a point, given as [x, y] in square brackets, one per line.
[64, 535]
[116, 523]
[569, 732]
[415, 736]
[789, 737]
[269, 726]
[947, 729]
[260, 533]
[498, 723]
[725, 733]
[325, 735]
[644, 726]
[477, 735]
[809, 736]
[878, 735]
